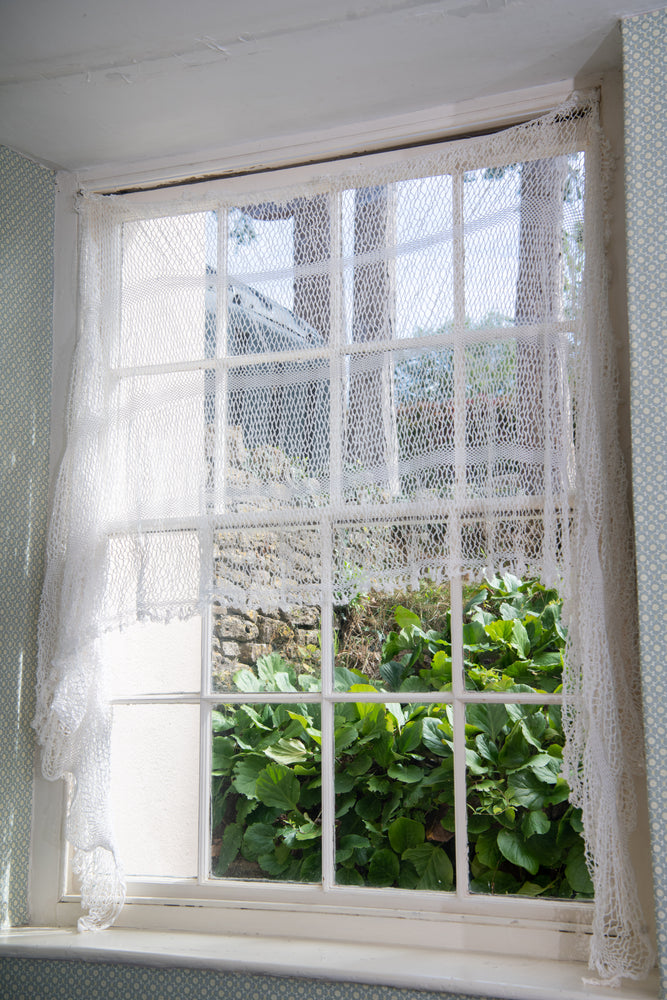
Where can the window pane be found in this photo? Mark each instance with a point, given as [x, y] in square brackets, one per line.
[279, 442]
[388, 557]
[157, 435]
[164, 289]
[498, 461]
[394, 796]
[399, 426]
[152, 658]
[398, 259]
[424, 257]
[524, 837]
[368, 263]
[280, 567]
[279, 263]
[260, 252]
[266, 651]
[155, 787]
[395, 642]
[260, 325]
[518, 415]
[266, 792]
[492, 202]
[424, 401]
[524, 225]
[512, 635]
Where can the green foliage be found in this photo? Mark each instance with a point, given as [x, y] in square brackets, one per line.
[394, 762]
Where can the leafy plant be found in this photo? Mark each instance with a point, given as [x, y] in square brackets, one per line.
[394, 762]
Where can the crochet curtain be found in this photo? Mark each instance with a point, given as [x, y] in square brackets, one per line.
[418, 344]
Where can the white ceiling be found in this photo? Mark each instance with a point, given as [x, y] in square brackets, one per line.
[86, 82]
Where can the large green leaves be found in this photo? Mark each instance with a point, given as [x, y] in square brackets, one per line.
[277, 786]
[405, 833]
[394, 761]
[433, 866]
[231, 841]
[517, 850]
[384, 868]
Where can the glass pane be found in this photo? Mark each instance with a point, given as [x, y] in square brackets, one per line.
[269, 568]
[424, 402]
[152, 658]
[510, 415]
[394, 796]
[399, 426]
[573, 234]
[368, 263]
[279, 290]
[398, 260]
[395, 642]
[513, 639]
[536, 267]
[492, 216]
[155, 788]
[158, 426]
[493, 420]
[260, 250]
[266, 651]
[266, 792]
[424, 257]
[279, 438]
[389, 558]
[524, 837]
[165, 289]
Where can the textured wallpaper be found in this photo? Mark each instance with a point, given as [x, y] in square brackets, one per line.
[25, 979]
[645, 100]
[26, 293]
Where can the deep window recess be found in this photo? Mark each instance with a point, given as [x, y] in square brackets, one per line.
[308, 424]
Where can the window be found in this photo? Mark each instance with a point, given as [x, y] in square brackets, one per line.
[291, 396]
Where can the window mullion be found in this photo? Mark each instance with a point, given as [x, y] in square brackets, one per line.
[218, 459]
[328, 528]
[328, 750]
[221, 352]
[459, 352]
[456, 528]
[459, 710]
[336, 355]
[204, 829]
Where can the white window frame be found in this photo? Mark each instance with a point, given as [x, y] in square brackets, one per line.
[537, 926]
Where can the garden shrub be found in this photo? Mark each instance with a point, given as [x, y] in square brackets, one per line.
[394, 762]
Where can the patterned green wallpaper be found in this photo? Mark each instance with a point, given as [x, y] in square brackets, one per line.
[645, 112]
[26, 291]
[25, 979]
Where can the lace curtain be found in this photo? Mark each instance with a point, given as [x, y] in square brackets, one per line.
[421, 344]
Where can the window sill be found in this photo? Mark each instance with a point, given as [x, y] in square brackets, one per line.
[471, 973]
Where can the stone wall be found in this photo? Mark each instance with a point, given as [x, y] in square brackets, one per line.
[241, 637]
